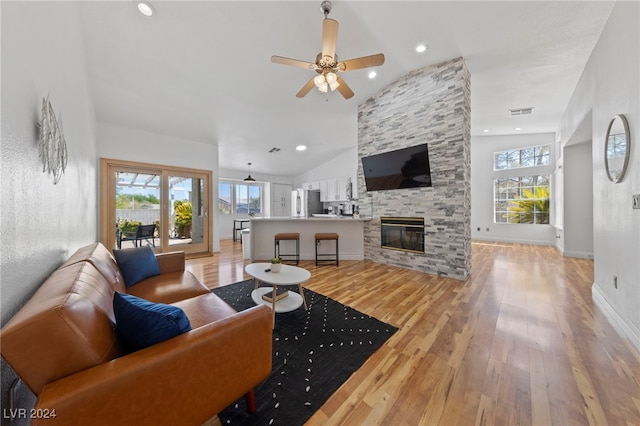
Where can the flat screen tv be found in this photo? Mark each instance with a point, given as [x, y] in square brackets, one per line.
[402, 168]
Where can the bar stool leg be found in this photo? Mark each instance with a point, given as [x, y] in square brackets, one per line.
[277, 250]
[323, 257]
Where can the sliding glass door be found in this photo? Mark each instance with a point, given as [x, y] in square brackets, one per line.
[163, 207]
[187, 211]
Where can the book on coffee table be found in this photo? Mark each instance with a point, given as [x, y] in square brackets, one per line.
[281, 293]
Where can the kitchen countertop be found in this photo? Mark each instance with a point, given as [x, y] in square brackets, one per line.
[350, 231]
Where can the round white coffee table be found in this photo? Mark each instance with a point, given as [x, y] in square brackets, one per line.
[288, 276]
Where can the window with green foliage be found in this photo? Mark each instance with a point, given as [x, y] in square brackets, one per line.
[532, 156]
[522, 199]
[240, 197]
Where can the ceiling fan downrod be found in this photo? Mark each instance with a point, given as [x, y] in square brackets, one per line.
[325, 7]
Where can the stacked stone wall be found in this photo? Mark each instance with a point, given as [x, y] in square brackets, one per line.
[431, 105]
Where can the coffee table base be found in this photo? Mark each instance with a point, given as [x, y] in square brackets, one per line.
[287, 304]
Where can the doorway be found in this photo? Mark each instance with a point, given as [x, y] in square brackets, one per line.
[577, 194]
[166, 208]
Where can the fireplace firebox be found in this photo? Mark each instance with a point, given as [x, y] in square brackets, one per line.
[402, 233]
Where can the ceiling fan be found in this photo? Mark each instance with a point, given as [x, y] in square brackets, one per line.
[327, 64]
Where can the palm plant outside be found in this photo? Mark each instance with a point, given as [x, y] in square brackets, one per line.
[531, 207]
[184, 215]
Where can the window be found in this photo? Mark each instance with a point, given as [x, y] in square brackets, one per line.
[522, 199]
[524, 157]
[224, 192]
[240, 197]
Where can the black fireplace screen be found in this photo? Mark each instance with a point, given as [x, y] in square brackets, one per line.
[402, 233]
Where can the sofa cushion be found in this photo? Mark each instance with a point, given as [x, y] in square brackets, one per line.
[205, 309]
[169, 288]
[142, 323]
[102, 260]
[137, 264]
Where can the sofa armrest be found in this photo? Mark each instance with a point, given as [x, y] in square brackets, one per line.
[184, 380]
[171, 262]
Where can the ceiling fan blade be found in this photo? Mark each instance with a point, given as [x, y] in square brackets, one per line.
[305, 89]
[344, 90]
[329, 37]
[363, 62]
[293, 62]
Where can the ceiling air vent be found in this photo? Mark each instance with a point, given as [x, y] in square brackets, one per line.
[521, 111]
[274, 150]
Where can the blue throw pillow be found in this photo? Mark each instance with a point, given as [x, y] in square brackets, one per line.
[137, 264]
[142, 323]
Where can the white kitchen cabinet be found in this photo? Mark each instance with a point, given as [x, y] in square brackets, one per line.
[341, 189]
[331, 191]
[334, 190]
[281, 199]
[311, 186]
[324, 191]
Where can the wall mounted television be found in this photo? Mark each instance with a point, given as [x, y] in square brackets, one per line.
[402, 168]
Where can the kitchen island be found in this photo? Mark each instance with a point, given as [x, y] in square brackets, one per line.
[349, 229]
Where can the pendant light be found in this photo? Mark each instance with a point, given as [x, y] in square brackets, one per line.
[249, 178]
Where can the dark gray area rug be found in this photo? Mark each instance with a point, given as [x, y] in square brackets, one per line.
[314, 353]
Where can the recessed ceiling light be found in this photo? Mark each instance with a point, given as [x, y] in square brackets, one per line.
[421, 48]
[517, 129]
[301, 148]
[372, 74]
[486, 130]
[145, 8]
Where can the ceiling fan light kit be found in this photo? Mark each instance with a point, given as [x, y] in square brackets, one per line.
[327, 64]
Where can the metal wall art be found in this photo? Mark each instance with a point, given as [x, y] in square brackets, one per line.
[52, 148]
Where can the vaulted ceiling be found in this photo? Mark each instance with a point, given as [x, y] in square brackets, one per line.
[201, 70]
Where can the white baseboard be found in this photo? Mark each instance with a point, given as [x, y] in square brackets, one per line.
[513, 241]
[580, 254]
[622, 327]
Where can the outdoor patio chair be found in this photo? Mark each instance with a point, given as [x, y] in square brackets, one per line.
[143, 233]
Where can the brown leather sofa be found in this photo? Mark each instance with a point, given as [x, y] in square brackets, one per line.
[63, 344]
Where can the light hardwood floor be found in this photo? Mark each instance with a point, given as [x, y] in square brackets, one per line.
[520, 342]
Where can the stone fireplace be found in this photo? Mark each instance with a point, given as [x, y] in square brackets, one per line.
[430, 105]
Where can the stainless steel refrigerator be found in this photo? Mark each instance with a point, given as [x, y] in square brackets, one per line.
[305, 203]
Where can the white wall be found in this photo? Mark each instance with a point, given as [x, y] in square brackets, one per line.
[341, 166]
[124, 143]
[42, 223]
[610, 85]
[482, 175]
[578, 201]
